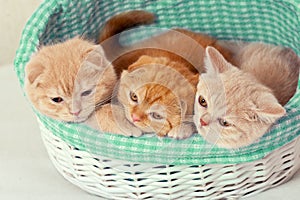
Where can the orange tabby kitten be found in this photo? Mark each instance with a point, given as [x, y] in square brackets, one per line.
[156, 95]
[232, 108]
[62, 79]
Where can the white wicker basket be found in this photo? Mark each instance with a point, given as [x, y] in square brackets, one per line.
[116, 179]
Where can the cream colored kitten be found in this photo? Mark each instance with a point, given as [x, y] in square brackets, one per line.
[65, 81]
[232, 108]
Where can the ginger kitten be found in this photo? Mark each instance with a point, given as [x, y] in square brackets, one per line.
[66, 81]
[155, 95]
[232, 108]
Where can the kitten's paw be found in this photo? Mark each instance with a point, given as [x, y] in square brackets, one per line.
[183, 131]
[91, 122]
[124, 126]
[135, 132]
[129, 130]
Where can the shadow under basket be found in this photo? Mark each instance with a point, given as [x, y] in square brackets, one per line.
[118, 167]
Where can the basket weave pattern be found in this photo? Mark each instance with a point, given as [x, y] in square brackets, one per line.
[118, 179]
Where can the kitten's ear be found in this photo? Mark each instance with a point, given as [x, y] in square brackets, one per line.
[124, 74]
[184, 116]
[268, 109]
[140, 62]
[215, 62]
[33, 71]
[96, 57]
[195, 79]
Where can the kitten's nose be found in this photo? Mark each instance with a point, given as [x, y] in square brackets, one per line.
[76, 113]
[135, 118]
[203, 123]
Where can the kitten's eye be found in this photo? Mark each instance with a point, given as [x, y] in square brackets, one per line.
[133, 97]
[202, 101]
[156, 115]
[57, 99]
[224, 123]
[86, 93]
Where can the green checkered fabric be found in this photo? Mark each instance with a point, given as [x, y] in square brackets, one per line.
[270, 21]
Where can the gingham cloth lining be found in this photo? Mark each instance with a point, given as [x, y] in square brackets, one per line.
[274, 22]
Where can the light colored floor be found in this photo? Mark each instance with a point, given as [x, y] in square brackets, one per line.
[26, 172]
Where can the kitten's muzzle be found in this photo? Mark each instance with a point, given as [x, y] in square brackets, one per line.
[135, 118]
[76, 113]
[203, 123]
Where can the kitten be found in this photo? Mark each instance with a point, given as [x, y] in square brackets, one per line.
[155, 95]
[62, 79]
[274, 66]
[232, 108]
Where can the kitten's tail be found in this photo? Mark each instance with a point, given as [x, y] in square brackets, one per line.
[124, 21]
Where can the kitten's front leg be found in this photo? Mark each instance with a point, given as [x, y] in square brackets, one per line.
[184, 130]
[123, 124]
[111, 118]
[102, 120]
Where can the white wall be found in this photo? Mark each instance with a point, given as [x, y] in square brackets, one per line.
[13, 16]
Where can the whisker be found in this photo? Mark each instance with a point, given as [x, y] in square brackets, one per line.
[104, 101]
[101, 103]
